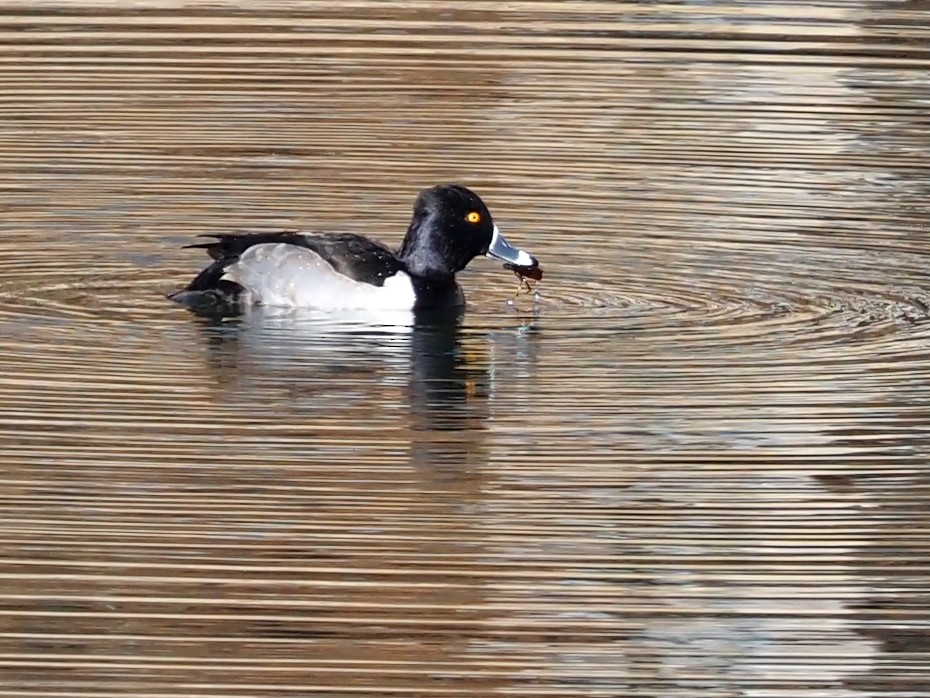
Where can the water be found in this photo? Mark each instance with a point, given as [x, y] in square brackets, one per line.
[695, 465]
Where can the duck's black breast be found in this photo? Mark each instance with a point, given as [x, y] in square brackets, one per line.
[358, 258]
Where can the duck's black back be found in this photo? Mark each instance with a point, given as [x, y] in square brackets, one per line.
[359, 258]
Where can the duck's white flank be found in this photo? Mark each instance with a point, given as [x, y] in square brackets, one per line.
[278, 274]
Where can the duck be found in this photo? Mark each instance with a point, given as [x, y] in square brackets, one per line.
[450, 226]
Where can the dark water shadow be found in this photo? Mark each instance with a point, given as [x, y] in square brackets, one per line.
[431, 375]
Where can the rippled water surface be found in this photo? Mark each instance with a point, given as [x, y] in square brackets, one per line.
[696, 465]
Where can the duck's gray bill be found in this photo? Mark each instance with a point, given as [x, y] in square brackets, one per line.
[504, 251]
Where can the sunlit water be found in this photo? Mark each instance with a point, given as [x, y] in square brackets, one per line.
[695, 465]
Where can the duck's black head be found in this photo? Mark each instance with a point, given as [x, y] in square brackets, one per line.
[451, 226]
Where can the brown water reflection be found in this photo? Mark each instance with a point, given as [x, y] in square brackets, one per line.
[696, 465]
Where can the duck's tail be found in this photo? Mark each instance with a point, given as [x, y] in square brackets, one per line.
[222, 299]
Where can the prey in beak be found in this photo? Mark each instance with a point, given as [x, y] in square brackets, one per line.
[521, 263]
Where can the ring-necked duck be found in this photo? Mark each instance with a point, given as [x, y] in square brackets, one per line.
[451, 226]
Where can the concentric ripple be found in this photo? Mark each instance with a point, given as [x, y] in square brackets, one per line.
[780, 305]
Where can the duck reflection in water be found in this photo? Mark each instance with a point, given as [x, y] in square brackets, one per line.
[428, 384]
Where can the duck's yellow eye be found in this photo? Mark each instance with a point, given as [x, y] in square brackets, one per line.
[473, 217]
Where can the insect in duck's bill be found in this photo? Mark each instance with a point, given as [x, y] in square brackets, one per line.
[523, 273]
[450, 226]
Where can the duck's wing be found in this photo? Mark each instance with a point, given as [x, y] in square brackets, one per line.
[231, 245]
[286, 259]
[356, 257]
